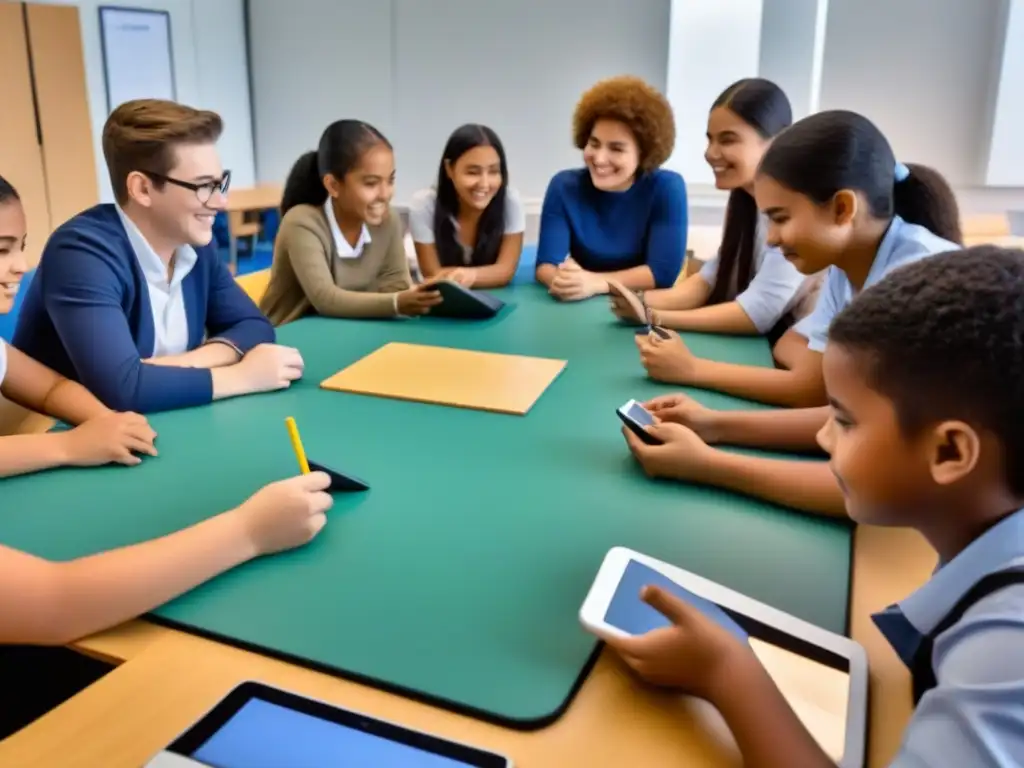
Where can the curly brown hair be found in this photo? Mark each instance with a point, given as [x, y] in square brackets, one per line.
[641, 107]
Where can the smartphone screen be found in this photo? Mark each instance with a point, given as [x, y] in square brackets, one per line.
[639, 414]
[626, 611]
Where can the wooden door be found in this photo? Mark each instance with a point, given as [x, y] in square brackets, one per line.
[58, 65]
[21, 156]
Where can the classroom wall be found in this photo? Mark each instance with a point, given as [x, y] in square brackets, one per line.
[422, 68]
[923, 71]
[209, 68]
[419, 69]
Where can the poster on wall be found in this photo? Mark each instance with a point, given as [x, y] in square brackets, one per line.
[137, 58]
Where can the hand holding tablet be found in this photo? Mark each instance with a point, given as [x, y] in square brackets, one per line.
[460, 302]
[678, 630]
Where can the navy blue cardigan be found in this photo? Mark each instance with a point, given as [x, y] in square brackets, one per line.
[87, 315]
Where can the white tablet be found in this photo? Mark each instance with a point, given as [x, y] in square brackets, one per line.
[257, 726]
[823, 676]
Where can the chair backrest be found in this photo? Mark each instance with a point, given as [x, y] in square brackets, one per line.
[255, 283]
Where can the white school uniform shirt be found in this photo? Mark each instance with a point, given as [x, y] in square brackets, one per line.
[3, 360]
[903, 243]
[170, 322]
[421, 218]
[343, 248]
[775, 288]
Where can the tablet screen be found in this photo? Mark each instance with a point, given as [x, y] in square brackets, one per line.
[814, 681]
[264, 734]
[257, 726]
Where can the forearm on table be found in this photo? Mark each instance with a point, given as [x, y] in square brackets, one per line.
[86, 595]
[492, 276]
[766, 729]
[639, 278]
[22, 454]
[32, 385]
[209, 355]
[718, 318]
[807, 485]
[784, 429]
[693, 292]
[775, 386]
[70, 402]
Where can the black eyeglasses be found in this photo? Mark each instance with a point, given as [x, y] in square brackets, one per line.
[203, 191]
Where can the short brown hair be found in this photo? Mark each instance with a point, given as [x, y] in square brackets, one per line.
[632, 101]
[141, 135]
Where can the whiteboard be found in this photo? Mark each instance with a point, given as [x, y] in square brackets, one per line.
[137, 58]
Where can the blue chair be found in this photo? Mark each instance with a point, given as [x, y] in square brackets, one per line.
[527, 266]
[9, 321]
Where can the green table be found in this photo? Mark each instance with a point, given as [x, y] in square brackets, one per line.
[458, 577]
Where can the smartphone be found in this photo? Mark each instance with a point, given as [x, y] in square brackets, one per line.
[613, 607]
[636, 304]
[655, 329]
[636, 418]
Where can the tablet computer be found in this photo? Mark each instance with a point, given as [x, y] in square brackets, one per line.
[460, 302]
[823, 676]
[257, 726]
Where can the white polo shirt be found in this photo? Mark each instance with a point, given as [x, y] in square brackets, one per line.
[170, 322]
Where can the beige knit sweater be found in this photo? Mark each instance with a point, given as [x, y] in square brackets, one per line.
[307, 276]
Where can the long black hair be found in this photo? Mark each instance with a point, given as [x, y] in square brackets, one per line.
[7, 191]
[491, 228]
[763, 106]
[341, 146]
[831, 151]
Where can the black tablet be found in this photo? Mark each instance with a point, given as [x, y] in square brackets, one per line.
[256, 726]
[460, 302]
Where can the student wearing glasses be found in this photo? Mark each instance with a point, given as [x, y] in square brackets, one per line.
[131, 299]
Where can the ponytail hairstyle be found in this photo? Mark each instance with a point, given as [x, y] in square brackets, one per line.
[491, 228]
[763, 106]
[341, 147]
[8, 194]
[835, 150]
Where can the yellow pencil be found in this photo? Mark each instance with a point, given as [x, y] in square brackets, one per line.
[300, 453]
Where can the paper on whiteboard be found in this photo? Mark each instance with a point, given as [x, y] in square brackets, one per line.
[137, 55]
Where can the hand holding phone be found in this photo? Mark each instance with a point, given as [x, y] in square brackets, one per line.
[637, 419]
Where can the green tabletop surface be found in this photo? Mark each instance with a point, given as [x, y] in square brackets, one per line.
[459, 576]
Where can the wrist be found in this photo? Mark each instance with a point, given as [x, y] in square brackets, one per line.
[731, 676]
[239, 534]
[63, 447]
[230, 380]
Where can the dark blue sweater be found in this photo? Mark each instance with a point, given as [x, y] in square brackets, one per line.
[87, 315]
[611, 231]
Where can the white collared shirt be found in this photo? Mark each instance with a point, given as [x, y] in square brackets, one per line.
[170, 322]
[341, 245]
